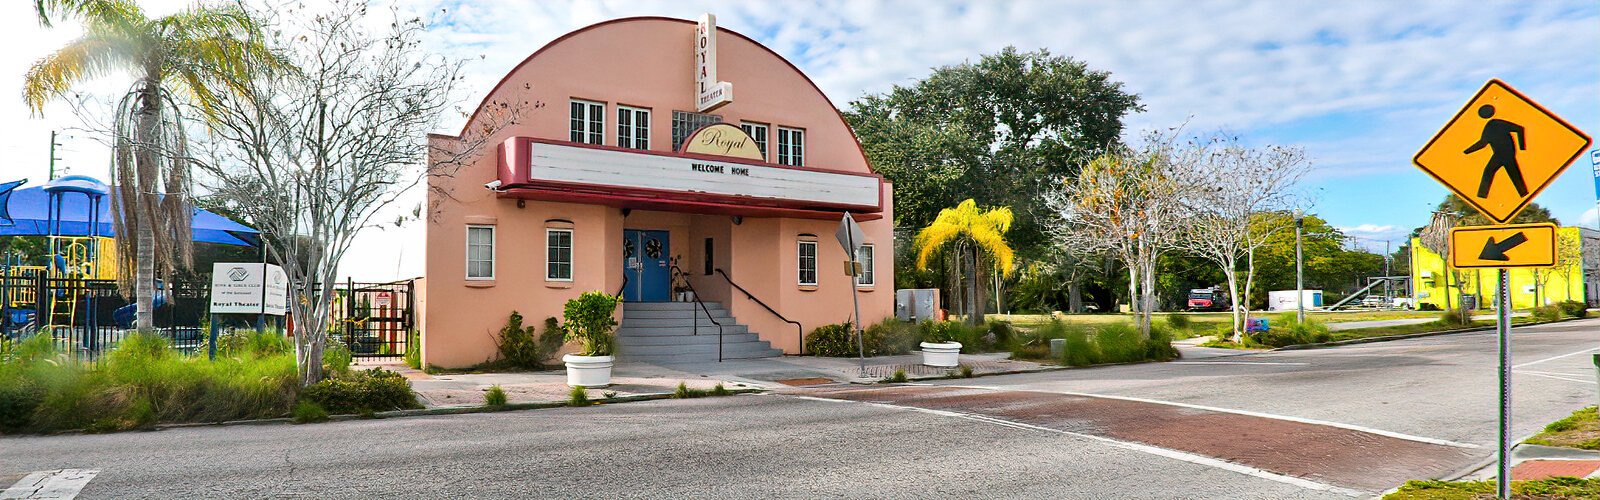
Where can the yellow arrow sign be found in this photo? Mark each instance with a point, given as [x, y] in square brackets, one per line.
[1521, 245]
[1500, 151]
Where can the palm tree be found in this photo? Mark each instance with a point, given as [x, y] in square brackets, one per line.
[183, 58]
[977, 235]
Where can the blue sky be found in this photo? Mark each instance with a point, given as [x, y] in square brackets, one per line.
[1361, 84]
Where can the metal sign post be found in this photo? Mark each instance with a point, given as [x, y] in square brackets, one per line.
[850, 237]
[1503, 327]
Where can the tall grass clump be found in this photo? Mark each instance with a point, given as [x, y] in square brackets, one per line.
[413, 354]
[143, 381]
[1119, 343]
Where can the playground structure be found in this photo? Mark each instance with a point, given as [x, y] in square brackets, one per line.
[70, 292]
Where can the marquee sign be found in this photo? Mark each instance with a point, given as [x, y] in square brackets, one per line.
[723, 139]
[710, 94]
[557, 165]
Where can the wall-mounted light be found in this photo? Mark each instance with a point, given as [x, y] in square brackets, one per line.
[521, 203]
[738, 219]
[626, 211]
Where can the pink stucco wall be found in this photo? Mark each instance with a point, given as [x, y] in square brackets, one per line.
[648, 63]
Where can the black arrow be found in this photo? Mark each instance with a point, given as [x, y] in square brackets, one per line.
[1497, 251]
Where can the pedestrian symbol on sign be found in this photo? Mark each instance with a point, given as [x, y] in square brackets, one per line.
[1497, 135]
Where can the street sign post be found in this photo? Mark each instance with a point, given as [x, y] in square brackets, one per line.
[850, 237]
[1494, 247]
[1500, 151]
[1497, 154]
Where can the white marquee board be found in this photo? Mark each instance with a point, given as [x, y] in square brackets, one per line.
[601, 167]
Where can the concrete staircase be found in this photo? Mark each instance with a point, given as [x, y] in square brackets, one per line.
[664, 332]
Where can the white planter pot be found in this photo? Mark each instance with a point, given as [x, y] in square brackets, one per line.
[941, 354]
[588, 371]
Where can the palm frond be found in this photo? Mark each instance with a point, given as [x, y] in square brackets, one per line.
[88, 57]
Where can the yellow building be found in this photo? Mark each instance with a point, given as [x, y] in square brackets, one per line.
[1431, 278]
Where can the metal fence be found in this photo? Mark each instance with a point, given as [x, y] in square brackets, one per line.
[87, 318]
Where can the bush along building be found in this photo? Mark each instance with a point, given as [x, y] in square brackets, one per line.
[685, 167]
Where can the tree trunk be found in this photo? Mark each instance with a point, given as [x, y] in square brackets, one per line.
[1133, 287]
[974, 289]
[1074, 297]
[1233, 293]
[1149, 296]
[146, 172]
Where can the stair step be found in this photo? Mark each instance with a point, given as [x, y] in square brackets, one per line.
[703, 338]
[673, 314]
[699, 357]
[702, 322]
[667, 306]
[657, 350]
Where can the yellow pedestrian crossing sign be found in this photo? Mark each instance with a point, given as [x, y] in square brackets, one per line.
[1500, 151]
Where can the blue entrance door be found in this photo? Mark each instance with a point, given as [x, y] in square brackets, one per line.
[646, 262]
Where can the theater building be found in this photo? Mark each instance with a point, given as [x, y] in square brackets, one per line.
[686, 167]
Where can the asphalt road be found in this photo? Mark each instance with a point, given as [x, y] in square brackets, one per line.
[1231, 427]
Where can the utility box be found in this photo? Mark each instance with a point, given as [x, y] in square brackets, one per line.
[1283, 300]
[917, 304]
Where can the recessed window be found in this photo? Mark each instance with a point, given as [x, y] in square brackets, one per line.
[480, 252]
[791, 146]
[633, 127]
[588, 122]
[865, 256]
[558, 254]
[758, 133]
[808, 263]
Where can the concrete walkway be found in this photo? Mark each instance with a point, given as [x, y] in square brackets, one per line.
[638, 378]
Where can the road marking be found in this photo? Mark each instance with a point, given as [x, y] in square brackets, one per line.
[1126, 445]
[1554, 376]
[1352, 427]
[1270, 363]
[1553, 358]
[62, 484]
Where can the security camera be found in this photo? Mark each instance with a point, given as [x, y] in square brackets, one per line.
[493, 185]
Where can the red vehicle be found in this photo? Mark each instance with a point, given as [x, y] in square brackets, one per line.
[1209, 299]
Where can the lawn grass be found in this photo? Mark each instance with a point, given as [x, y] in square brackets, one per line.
[1580, 430]
[1556, 488]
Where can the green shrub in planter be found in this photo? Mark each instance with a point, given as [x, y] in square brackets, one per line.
[1547, 313]
[362, 392]
[835, 340]
[590, 320]
[1574, 308]
[939, 331]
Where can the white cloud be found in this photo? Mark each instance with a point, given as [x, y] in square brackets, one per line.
[1259, 68]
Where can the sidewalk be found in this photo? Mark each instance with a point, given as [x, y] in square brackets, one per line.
[637, 378]
[467, 389]
[1533, 462]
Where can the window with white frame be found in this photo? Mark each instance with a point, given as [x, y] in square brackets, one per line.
[480, 252]
[558, 254]
[633, 127]
[791, 146]
[758, 133]
[865, 256]
[808, 263]
[588, 122]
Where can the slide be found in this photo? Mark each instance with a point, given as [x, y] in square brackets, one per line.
[123, 316]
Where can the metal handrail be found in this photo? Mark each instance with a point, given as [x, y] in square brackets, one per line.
[801, 330]
[685, 277]
[624, 286]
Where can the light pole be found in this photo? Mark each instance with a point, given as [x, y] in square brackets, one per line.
[1299, 268]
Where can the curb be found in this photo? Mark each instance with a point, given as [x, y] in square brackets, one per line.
[1404, 336]
[421, 412]
[1042, 369]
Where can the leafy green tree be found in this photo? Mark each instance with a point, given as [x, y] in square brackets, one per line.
[998, 131]
[174, 59]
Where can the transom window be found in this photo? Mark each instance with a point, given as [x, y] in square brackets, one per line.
[685, 123]
[588, 122]
[791, 146]
[480, 252]
[808, 263]
[865, 256]
[558, 254]
[633, 127]
[758, 133]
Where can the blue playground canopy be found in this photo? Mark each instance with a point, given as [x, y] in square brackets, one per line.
[27, 212]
